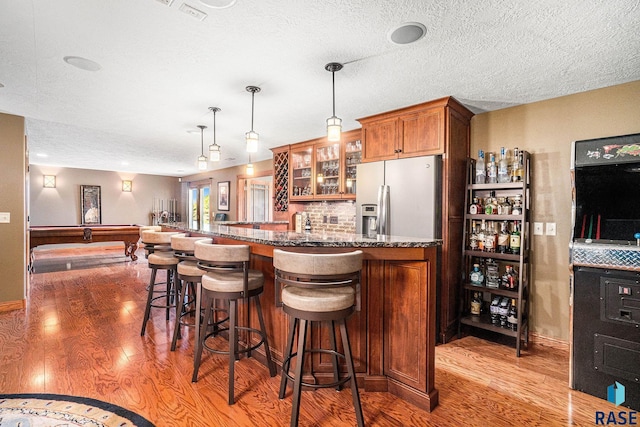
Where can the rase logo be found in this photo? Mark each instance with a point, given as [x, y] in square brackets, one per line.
[616, 395]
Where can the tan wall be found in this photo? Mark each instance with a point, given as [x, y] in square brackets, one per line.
[13, 201]
[61, 205]
[546, 129]
[229, 174]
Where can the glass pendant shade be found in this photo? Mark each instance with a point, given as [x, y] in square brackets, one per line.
[214, 152]
[334, 129]
[252, 141]
[250, 169]
[202, 163]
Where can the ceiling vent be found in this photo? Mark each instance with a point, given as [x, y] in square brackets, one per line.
[193, 12]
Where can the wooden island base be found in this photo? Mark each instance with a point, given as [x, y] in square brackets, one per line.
[393, 336]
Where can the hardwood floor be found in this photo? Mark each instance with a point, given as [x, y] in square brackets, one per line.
[80, 335]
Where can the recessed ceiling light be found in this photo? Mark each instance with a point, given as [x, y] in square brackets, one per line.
[82, 63]
[408, 32]
[218, 4]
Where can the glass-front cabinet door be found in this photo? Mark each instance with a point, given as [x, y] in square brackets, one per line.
[328, 170]
[302, 179]
[353, 157]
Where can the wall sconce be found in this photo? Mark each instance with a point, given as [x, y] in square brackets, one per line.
[127, 186]
[49, 181]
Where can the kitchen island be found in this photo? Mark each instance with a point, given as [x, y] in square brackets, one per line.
[393, 336]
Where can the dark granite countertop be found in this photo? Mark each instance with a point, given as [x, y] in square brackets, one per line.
[248, 222]
[319, 239]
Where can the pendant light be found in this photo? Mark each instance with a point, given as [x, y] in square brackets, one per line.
[250, 166]
[214, 149]
[334, 124]
[202, 160]
[251, 136]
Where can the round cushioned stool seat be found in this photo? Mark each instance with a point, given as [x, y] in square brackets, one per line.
[318, 299]
[231, 281]
[163, 258]
[190, 268]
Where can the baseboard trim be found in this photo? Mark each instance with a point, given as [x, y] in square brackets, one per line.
[548, 341]
[13, 305]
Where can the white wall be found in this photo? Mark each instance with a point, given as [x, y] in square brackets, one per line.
[61, 205]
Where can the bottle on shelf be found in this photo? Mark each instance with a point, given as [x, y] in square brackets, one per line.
[492, 170]
[494, 310]
[476, 304]
[503, 238]
[517, 165]
[504, 208]
[480, 168]
[492, 279]
[512, 316]
[481, 235]
[307, 225]
[503, 311]
[473, 236]
[514, 240]
[503, 167]
[490, 237]
[491, 204]
[516, 208]
[475, 207]
[510, 278]
[476, 278]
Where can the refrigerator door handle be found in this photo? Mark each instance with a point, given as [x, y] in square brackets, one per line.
[383, 210]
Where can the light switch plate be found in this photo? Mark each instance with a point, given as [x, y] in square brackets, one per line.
[551, 229]
[5, 217]
[538, 228]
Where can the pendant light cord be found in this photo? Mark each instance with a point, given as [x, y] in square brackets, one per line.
[253, 94]
[333, 79]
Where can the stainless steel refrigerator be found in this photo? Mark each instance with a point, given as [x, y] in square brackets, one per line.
[404, 194]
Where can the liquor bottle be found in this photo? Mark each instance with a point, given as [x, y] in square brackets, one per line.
[475, 207]
[473, 236]
[476, 277]
[512, 316]
[490, 237]
[494, 311]
[480, 168]
[516, 166]
[512, 278]
[504, 208]
[503, 167]
[481, 235]
[491, 204]
[514, 240]
[503, 238]
[503, 311]
[516, 208]
[307, 225]
[476, 304]
[492, 170]
[492, 279]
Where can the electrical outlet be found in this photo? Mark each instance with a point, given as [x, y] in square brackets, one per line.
[333, 220]
[538, 228]
[324, 219]
[5, 217]
[551, 229]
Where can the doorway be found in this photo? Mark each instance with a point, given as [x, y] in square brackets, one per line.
[199, 206]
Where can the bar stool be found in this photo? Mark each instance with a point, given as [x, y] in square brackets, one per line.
[316, 288]
[148, 228]
[158, 243]
[189, 279]
[229, 278]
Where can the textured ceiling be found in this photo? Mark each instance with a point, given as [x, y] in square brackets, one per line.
[162, 69]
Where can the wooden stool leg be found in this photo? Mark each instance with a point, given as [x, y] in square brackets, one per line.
[334, 357]
[297, 383]
[179, 311]
[352, 373]
[287, 354]
[206, 302]
[147, 310]
[267, 350]
[233, 346]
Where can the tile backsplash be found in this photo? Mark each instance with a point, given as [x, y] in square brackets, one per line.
[332, 217]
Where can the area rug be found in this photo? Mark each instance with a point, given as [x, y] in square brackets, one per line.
[49, 410]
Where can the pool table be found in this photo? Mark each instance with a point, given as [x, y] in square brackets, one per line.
[88, 233]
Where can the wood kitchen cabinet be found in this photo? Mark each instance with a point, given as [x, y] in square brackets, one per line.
[439, 127]
[410, 132]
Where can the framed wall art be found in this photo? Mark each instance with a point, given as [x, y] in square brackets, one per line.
[90, 204]
[223, 195]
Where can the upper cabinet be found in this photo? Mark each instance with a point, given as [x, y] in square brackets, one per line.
[322, 170]
[414, 131]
